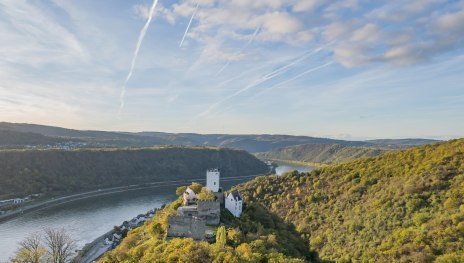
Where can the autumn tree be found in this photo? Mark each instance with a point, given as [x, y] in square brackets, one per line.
[180, 190]
[60, 245]
[30, 250]
[221, 236]
[196, 187]
[205, 194]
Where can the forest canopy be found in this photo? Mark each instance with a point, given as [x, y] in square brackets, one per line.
[403, 206]
[58, 171]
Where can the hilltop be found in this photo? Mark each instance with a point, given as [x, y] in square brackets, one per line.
[258, 236]
[60, 172]
[402, 206]
[320, 153]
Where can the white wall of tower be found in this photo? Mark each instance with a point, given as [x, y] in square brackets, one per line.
[212, 180]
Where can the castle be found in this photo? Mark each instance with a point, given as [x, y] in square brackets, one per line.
[196, 218]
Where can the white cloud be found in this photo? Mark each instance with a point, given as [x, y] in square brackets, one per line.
[338, 30]
[370, 33]
[279, 23]
[350, 55]
[307, 5]
[404, 55]
[451, 23]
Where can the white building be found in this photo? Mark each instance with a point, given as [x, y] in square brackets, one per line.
[234, 202]
[18, 200]
[189, 196]
[212, 180]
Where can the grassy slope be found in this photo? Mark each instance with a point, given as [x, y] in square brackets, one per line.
[320, 153]
[404, 206]
[57, 171]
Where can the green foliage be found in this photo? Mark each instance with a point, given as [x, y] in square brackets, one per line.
[403, 206]
[258, 236]
[196, 187]
[206, 195]
[13, 139]
[180, 190]
[321, 153]
[221, 237]
[24, 172]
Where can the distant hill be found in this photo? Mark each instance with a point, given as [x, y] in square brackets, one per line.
[251, 143]
[14, 139]
[320, 153]
[402, 206]
[96, 139]
[57, 171]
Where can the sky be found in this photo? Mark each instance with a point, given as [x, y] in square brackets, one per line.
[349, 69]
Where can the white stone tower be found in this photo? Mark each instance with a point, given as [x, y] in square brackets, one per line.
[212, 180]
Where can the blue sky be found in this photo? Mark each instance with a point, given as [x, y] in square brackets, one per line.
[341, 69]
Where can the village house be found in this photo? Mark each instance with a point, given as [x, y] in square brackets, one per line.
[13, 201]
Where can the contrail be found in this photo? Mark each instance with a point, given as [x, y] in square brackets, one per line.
[292, 79]
[301, 75]
[136, 52]
[262, 79]
[242, 49]
[269, 76]
[188, 26]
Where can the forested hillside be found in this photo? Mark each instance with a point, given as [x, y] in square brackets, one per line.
[58, 171]
[403, 206]
[258, 236]
[320, 153]
[14, 139]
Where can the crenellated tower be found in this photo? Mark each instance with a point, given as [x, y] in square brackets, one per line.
[212, 180]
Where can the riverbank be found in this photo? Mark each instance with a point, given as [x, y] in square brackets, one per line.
[100, 192]
[93, 250]
[308, 164]
[66, 199]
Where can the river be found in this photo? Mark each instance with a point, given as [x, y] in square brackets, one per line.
[288, 167]
[90, 218]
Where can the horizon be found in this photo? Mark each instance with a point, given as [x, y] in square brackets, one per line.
[333, 69]
[342, 137]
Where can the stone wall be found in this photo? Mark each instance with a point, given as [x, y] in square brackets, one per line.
[187, 227]
[210, 211]
[220, 197]
[187, 211]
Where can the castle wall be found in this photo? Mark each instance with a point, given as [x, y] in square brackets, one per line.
[210, 211]
[220, 196]
[179, 226]
[187, 211]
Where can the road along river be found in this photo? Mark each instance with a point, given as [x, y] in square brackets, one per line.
[88, 218]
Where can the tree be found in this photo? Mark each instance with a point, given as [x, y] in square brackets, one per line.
[196, 187]
[180, 190]
[30, 250]
[221, 236]
[60, 245]
[205, 194]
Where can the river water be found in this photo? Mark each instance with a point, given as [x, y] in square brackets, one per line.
[288, 167]
[90, 218]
